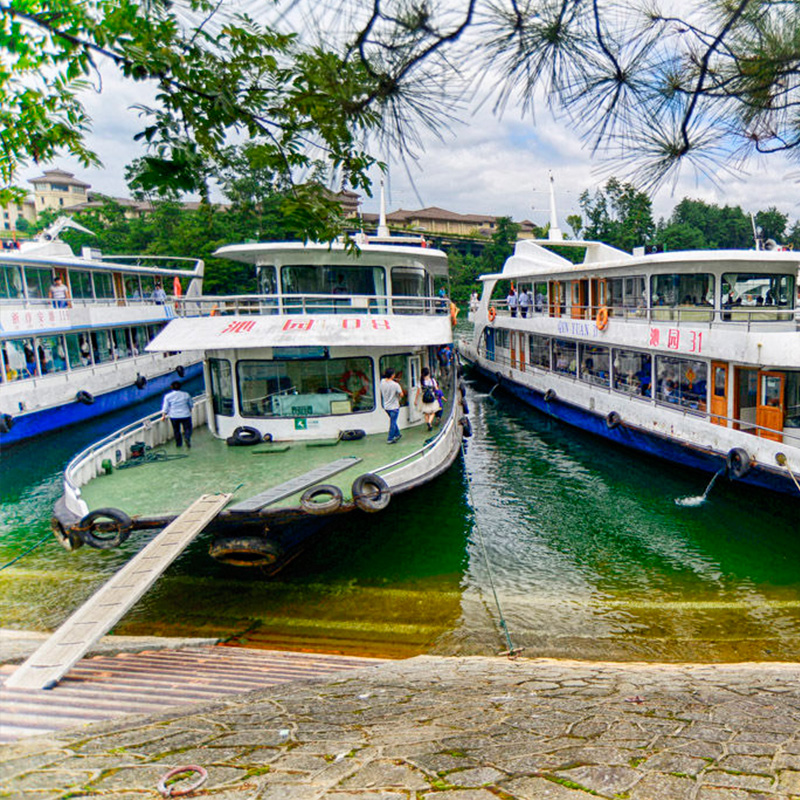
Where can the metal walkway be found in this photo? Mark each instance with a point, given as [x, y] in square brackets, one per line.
[294, 485]
[109, 604]
[109, 687]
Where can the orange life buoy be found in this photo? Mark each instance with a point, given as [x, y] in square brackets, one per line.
[453, 313]
[602, 318]
[214, 310]
[492, 313]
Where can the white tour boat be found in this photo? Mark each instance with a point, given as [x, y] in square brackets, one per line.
[74, 351]
[693, 356]
[294, 372]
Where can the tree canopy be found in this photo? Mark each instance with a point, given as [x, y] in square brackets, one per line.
[649, 90]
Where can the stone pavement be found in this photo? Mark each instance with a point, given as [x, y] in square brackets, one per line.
[452, 729]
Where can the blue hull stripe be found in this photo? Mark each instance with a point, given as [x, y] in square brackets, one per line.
[36, 423]
[638, 438]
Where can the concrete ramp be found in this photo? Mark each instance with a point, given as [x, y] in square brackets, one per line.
[114, 599]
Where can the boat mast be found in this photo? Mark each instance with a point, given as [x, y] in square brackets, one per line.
[554, 234]
[383, 228]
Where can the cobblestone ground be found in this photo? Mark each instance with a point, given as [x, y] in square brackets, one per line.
[453, 729]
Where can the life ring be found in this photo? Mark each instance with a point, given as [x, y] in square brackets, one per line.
[371, 492]
[355, 383]
[613, 419]
[244, 435]
[352, 436]
[602, 318]
[245, 551]
[466, 427]
[6, 423]
[453, 313]
[84, 397]
[492, 313]
[738, 463]
[180, 370]
[311, 505]
[549, 395]
[140, 382]
[104, 528]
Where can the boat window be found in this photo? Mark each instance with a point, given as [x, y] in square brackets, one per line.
[221, 376]
[681, 381]
[682, 294]
[331, 280]
[757, 289]
[409, 282]
[52, 356]
[398, 364]
[103, 286]
[633, 372]
[565, 356]
[10, 282]
[540, 351]
[139, 339]
[267, 279]
[501, 338]
[302, 388]
[133, 290]
[38, 281]
[634, 297]
[79, 351]
[80, 284]
[594, 361]
[791, 399]
[121, 343]
[102, 347]
[19, 359]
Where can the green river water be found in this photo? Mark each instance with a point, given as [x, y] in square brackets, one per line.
[590, 557]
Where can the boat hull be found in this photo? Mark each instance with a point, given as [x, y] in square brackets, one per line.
[635, 437]
[46, 420]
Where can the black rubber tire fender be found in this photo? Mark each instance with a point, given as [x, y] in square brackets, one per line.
[352, 436]
[613, 420]
[464, 405]
[466, 427]
[738, 463]
[87, 398]
[180, 370]
[549, 395]
[104, 535]
[371, 493]
[462, 387]
[245, 435]
[140, 382]
[6, 423]
[311, 505]
[245, 551]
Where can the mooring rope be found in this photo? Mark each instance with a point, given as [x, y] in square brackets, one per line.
[511, 651]
[29, 550]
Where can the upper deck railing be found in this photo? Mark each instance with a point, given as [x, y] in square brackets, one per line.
[311, 304]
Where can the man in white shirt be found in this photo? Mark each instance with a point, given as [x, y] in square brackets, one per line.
[177, 406]
[511, 301]
[391, 392]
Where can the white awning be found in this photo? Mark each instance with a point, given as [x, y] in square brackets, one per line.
[329, 330]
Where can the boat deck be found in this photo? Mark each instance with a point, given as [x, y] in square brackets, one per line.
[162, 487]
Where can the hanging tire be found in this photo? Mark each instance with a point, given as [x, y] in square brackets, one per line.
[105, 528]
[464, 405]
[549, 396]
[6, 423]
[180, 370]
[87, 398]
[462, 387]
[371, 492]
[466, 427]
[311, 505]
[245, 436]
[352, 436]
[613, 420]
[244, 551]
[140, 382]
[738, 463]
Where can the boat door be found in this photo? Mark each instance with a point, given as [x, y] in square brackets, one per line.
[512, 344]
[770, 408]
[414, 368]
[489, 332]
[719, 393]
[521, 340]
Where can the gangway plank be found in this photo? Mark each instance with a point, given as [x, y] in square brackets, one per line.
[112, 601]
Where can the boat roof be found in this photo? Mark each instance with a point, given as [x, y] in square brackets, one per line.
[531, 257]
[338, 252]
[322, 330]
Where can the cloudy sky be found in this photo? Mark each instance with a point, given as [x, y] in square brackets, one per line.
[485, 164]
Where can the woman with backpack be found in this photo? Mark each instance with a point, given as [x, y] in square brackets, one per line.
[427, 394]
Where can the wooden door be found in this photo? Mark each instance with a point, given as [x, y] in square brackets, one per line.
[522, 338]
[555, 300]
[575, 299]
[512, 343]
[770, 409]
[719, 392]
[119, 288]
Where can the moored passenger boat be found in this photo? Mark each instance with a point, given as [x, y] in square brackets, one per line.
[73, 332]
[691, 356]
[293, 422]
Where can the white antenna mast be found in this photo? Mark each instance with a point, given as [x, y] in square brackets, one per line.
[554, 234]
[383, 228]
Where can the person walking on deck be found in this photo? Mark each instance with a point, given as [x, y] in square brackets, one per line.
[177, 406]
[391, 392]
